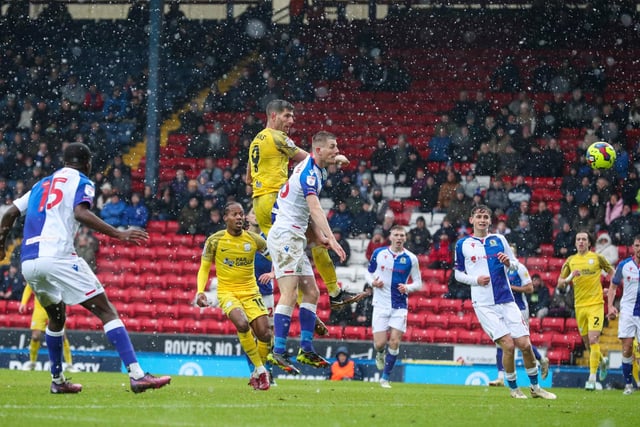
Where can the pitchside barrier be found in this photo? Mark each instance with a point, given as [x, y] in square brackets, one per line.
[221, 356]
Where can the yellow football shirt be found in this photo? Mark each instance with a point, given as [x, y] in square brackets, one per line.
[269, 155]
[587, 287]
[234, 257]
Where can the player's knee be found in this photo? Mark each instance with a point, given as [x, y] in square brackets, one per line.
[507, 345]
[264, 335]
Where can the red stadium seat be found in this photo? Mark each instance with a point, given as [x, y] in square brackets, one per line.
[421, 335]
[559, 341]
[156, 281]
[171, 326]
[117, 295]
[144, 309]
[445, 336]
[88, 323]
[172, 227]
[190, 269]
[149, 325]
[546, 249]
[214, 313]
[160, 240]
[139, 295]
[447, 305]
[426, 304]
[133, 324]
[534, 324]
[559, 357]
[571, 325]
[461, 321]
[144, 254]
[192, 326]
[170, 311]
[189, 254]
[555, 324]
[436, 290]
[555, 264]
[157, 226]
[430, 275]
[190, 312]
[216, 327]
[536, 264]
[182, 240]
[163, 296]
[355, 333]
[416, 319]
[198, 240]
[439, 321]
[335, 332]
[171, 267]
[541, 339]
[469, 337]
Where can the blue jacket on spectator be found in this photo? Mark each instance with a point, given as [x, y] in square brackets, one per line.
[113, 212]
[136, 214]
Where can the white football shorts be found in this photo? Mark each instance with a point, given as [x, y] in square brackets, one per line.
[287, 250]
[499, 320]
[61, 279]
[384, 318]
[628, 325]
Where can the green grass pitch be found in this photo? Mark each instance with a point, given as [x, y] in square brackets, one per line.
[205, 401]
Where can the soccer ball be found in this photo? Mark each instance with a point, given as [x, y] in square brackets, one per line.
[601, 155]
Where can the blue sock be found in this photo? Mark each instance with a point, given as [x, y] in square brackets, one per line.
[119, 337]
[627, 369]
[536, 353]
[389, 363]
[499, 364]
[281, 324]
[307, 325]
[54, 347]
[532, 373]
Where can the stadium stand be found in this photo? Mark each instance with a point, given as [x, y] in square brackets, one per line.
[153, 286]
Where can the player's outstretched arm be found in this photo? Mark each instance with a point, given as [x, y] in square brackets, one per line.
[88, 218]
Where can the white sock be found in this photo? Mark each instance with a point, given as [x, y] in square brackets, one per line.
[135, 371]
[59, 379]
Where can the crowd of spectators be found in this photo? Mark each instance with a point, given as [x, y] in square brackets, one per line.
[46, 103]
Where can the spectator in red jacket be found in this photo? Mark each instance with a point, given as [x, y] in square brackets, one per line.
[440, 255]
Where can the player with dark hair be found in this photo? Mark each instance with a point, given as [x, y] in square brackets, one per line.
[585, 269]
[55, 207]
[233, 252]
